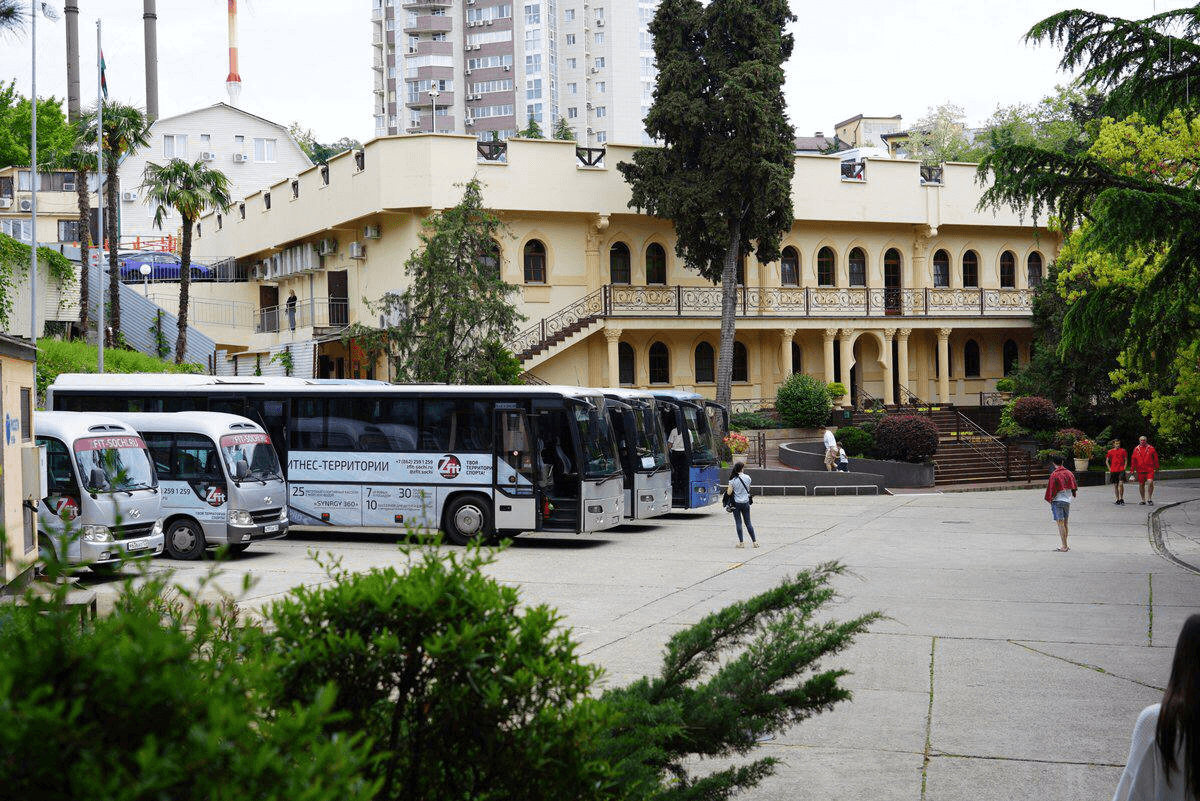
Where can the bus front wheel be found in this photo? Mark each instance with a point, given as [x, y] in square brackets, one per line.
[468, 520]
[184, 540]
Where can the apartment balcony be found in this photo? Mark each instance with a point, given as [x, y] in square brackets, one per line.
[428, 47]
[415, 4]
[423, 100]
[430, 24]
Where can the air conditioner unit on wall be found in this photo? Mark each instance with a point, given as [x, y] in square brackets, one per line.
[129, 196]
[5, 202]
[26, 205]
[371, 232]
[327, 247]
[358, 250]
[468, 72]
[68, 186]
[507, 68]
[488, 22]
[239, 158]
[599, 23]
[208, 155]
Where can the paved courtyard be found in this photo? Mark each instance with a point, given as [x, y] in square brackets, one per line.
[1004, 669]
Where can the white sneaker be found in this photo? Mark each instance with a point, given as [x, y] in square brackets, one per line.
[740, 545]
[756, 545]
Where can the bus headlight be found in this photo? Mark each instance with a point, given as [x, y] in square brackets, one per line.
[283, 516]
[158, 528]
[97, 534]
[240, 517]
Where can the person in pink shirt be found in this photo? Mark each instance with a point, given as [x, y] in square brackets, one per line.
[1060, 491]
[1145, 462]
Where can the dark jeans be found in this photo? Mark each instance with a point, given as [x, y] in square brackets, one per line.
[741, 511]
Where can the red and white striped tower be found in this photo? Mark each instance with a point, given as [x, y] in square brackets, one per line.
[233, 81]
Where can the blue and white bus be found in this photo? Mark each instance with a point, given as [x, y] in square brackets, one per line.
[477, 462]
[691, 423]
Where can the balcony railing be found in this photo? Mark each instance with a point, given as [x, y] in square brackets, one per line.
[315, 313]
[210, 312]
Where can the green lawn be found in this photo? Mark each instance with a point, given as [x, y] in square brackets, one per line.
[57, 356]
[1181, 463]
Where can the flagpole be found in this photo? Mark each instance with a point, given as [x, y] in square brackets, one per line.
[101, 327]
[33, 186]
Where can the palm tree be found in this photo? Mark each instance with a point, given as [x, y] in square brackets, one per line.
[83, 162]
[12, 17]
[189, 189]
[125, 129]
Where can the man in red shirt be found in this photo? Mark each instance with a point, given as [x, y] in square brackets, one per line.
[1060, 491]
[1145, 462]
[1116, 459]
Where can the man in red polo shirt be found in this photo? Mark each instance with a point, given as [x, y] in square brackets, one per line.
[1116, 458]
[1060, 491]
[1145, 462]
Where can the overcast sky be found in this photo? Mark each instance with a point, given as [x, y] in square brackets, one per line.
[309, 61]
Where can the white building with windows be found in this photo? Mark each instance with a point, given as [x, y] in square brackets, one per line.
[253, 152]
[485, 67]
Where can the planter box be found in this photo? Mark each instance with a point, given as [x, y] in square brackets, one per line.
[810, 456]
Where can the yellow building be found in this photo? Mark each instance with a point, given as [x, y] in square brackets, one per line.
[18, 543]
[888, 273]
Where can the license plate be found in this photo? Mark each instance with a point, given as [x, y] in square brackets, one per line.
[271, 528]
[137, 545]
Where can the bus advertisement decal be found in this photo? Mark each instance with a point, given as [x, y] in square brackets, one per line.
[359, 505]
[417, 468]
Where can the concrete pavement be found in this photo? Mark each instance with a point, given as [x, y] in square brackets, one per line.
[1004, 670]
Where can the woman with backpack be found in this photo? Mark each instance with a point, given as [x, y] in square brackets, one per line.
[738, 501]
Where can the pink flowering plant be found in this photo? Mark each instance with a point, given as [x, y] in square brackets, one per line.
[737, 443]
[1083, 448]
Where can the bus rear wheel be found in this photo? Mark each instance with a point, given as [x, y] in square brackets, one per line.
[184, 540]
[468, 520]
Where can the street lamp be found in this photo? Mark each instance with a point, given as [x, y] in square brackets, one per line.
[145, 270]
[434, 94]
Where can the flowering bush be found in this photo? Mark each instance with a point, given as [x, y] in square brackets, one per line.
[737, 443]
[906, 438]
[1064, 438]
[1082, 448]
[1034, 413]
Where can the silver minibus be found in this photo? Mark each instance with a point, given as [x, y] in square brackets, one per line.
[103, 502]
[642, 444]
[220, 480]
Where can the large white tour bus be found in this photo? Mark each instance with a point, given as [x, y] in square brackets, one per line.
[103, 502]
[691, 423]
[477, 462]
[220, 480]
[642, 444]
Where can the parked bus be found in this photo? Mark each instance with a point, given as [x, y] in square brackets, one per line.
[220, 480]
[477, 462]
[691, 423]
[643, 449]
[103, 501]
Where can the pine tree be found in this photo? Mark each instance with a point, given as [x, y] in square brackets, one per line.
[458, 306]
[723, 173]
[562, 131]
[1142, 68]
[532, 130]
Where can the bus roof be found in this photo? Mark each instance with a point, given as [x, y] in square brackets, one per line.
[71, 426]
[175, 382]
[211, 424]
[625, 393]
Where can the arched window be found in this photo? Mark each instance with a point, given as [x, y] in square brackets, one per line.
[1008, 270]
[826, 267]
[618, 264]
[1011, 359]
[490, 259]
[789, 267]
[706, 364]
[797, 365]
[656, 264]
[625, 364]
[970, 269]
[941, 268]
[535, 262]
[660, 364]
[971, 359]
[741, 363]
[858, 267]
[1034, 265]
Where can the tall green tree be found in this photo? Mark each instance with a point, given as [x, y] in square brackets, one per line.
[55, 136]
[941, 135]
[531, 130]
[458, 308]
[1146, 66]
[125, 129]
[723, 173]
[562, 131]
[318, 152]
[190, 189]
[82, 161]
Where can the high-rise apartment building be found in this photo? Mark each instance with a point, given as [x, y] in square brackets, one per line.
[484, 66]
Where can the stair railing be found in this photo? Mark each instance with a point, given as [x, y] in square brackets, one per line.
[537, 337]
[999, 453]
[868, 402]
[910, 398]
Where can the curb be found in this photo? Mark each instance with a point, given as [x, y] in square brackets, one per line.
[1156, 537]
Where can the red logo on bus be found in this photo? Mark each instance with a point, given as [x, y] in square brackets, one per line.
[449, 466]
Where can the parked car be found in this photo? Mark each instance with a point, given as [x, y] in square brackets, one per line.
[163, 267]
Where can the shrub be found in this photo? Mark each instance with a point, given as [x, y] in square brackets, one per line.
[856, 441]
[1005, 385]
[1008, 427]
[906, 438]
[737, 443]
[836, 389]
[1064, 438]
[56, 356]
[803, 401]
[1083, 448]
[1034, 413]
[1046, 454]
[740, 421]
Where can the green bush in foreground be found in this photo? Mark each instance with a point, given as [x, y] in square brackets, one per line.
[59, 356]
[906, 438]
[803, 402]
[855, 441]
[741, 421]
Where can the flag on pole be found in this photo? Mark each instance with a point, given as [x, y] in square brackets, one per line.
[103, 79]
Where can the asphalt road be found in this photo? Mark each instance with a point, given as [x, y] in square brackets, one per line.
[1004, 669]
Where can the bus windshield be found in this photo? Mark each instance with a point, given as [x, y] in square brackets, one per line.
[597, 438]
[651, 443]
[253, 449]
[114, 464]
[700, 434]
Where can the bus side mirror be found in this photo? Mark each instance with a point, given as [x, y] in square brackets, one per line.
[97, 480]
[241, 469]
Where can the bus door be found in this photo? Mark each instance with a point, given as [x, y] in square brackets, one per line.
[558, 480]
[515, 468]
[271, 414]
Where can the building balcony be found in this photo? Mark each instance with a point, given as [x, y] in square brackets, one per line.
[423, 100]
[430, 24]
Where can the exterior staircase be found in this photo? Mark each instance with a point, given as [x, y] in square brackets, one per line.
[538, 342]
[139, 317]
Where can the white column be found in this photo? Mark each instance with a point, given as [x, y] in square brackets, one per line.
[943, 346]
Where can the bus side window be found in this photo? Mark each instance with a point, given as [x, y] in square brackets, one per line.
[436, 419]
[60, 476]
[472, 426]
[160, 452]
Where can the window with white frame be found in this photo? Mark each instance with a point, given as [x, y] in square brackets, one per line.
[533, 14]
[601, 111]
[599, 37]
[598, 62]
[572, 63]
[569, 15]
[600, 87]
[175, 146]
[264, 150]
[570, 39]
[572, 112]
[601, 136]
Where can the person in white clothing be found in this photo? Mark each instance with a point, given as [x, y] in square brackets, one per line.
[1164, 758]
[739, 490]
[831, 449]
[843, 463]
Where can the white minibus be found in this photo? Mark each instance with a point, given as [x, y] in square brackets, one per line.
[103, 503]
[220, 480]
